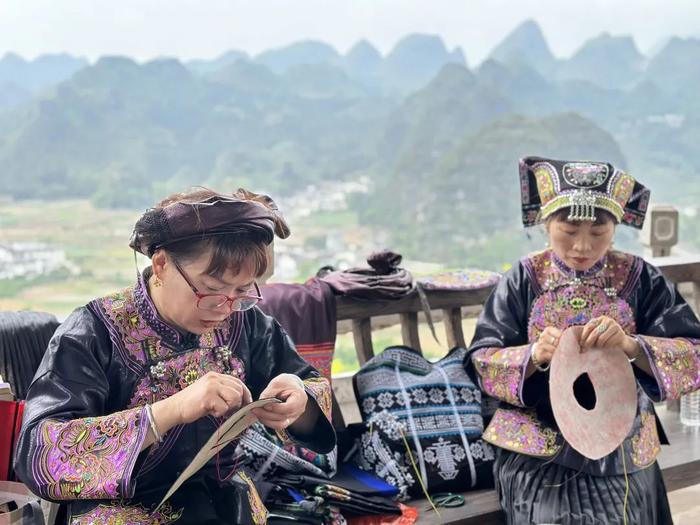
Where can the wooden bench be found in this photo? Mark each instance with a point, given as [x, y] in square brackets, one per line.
[680, 462]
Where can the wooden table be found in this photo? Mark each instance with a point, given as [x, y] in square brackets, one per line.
[680, 465]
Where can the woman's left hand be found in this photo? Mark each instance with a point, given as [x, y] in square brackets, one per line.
[605, 332]
[279, 416]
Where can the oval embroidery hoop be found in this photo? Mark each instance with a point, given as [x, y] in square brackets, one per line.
[597, 432]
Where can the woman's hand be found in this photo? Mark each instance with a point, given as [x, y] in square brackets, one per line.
[213, 394]
[605, 332]
[278, 416]
[546, 345]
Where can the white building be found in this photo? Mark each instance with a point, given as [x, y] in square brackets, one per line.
[31, 259]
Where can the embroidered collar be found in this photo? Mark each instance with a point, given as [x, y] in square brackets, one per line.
[569, 273]
[169, 335]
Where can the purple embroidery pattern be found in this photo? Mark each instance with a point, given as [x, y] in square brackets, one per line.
[135, 332]
[127, 314]
[568, 299]
[130, 316]
[501, 371]
[118, 514]
[89, 458]
[576, 306]
[645, 444]
[520, 431]
[675, 362]
[170, 376]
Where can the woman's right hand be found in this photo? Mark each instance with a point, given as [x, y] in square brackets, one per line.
[212, 394]
[546, 345]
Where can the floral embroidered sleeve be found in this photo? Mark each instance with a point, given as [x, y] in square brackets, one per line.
[675, 363]
[669, 334]
[499, 352]
[71, 446]
[88, 458]
[502, 372]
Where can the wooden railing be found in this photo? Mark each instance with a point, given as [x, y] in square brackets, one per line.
[452, 306]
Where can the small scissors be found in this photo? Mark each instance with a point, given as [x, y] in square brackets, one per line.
[447, 500]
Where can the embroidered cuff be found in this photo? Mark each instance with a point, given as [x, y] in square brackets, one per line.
[502, 372]
[675, 363]
[89, 458]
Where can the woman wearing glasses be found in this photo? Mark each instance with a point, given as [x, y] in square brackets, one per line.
[133, 384]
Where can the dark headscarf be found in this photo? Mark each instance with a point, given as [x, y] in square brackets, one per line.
[242, 212]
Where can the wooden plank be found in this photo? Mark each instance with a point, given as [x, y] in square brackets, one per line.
[362, 336]
[452, 318]
[349, 308]
[384, 321]
[409, 330]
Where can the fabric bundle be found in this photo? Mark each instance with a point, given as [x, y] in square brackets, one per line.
[384, 279]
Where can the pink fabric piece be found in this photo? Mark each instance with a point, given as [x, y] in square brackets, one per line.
[598, 432]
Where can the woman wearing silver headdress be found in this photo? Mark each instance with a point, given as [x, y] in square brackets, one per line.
[625, 305]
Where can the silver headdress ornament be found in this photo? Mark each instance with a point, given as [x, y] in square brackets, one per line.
[582, 206]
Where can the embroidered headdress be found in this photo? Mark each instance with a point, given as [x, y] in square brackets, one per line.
[550, 185]
[242, 212]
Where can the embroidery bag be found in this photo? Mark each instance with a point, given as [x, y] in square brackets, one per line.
[432, 410]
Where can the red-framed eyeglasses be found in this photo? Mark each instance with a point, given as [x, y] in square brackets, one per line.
[214, 301]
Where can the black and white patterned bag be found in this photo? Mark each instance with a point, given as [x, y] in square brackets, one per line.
[432, 410]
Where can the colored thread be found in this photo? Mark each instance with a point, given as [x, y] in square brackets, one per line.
[627, 485]
[415, 468]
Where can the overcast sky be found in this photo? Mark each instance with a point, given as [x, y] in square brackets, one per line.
[144, 29]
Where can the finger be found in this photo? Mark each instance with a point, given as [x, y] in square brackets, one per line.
[608, 336]
[555, 332]
[270, 391]
[240, 386]
[587, 329]
[282, 392]
[548, 338]
[591, 340]
[247, 396]
[278, 424]
[230, 381]
[217, 407]
[593, 332]
[231, 396]
[286, 408]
